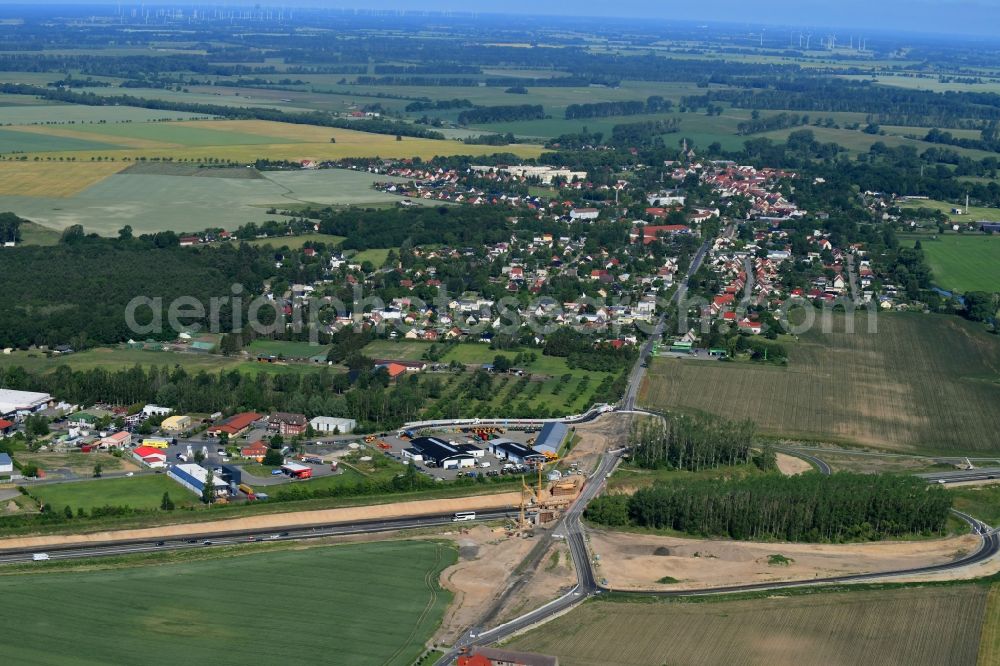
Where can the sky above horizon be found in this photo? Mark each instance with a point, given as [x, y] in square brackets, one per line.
[979, 17]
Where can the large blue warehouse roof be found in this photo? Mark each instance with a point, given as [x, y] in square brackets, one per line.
[551, 437]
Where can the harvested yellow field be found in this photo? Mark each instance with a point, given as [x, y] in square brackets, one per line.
[52, 179]
[989, 647]
[912, 626]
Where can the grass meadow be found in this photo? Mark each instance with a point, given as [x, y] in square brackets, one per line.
[139, 492]
[366, 604]
[964, 262]
[927, 384]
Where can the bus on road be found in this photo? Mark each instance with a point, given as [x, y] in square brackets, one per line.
[464, 515]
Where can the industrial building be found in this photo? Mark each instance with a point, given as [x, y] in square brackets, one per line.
[332, 425]
[175, 424]
[22, 403]
[515, 452]
[150, 457]
[235, 425]
[193, 478]
[438, 453]
[551, 438]
[6, 465]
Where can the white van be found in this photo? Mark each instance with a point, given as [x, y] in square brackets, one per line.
[484, 464]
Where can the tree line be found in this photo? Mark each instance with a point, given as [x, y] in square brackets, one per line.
[653, 104]
[810, 507]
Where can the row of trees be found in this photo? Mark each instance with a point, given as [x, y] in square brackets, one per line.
[692, 443]
[810, 507]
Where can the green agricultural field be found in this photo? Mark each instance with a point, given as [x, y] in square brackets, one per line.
[892, 626]
[12, 141]
[35, 234]
[366, 604]
[176, 133]
[857, 141]
[287, 349]
[82, 116]
[964, 262]
[295, 242]
[921, 384]
[397, 350]
[375, 255]
[139, 492]
[975, 212]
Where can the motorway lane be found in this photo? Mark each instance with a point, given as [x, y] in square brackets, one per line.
[229, 538]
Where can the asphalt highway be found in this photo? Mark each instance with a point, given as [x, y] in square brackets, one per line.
[106, 549]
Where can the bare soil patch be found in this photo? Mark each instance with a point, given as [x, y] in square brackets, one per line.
[629, 561]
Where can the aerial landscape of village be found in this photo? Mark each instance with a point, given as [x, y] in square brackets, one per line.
[402, 335]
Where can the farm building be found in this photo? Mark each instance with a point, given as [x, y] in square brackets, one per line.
[19, 403]
[332, 425]
[551, 438]
[119, 440]
[508, 449]
[6, 465]
[287, 424]
[235, 425]
[176, 423]
[437, 452]
[193, 478]
[150, 457]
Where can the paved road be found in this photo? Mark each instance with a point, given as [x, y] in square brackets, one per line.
[103, 549]
[639, 371]
[819, 464]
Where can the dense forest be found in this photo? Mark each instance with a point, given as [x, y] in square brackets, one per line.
[810, 507]
[692, 443]
[77, 292]
[501, 114]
